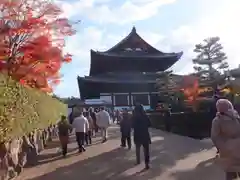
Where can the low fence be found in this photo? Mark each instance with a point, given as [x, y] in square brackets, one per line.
[193, 124]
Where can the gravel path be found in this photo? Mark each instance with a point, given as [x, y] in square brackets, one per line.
[172, 158]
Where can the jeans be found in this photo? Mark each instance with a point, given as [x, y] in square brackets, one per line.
[80, 137]
[145, 150]
[64, 149]
[88, 137]
[104, 134]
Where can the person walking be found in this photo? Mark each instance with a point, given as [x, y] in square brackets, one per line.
[118, 115]
[103, 122]
[63, 133]
[88, 137]
[225, 134]
[167, 119]
[125, 128]
[141, 123]
[94, 118]
[81, 126]
[71, 117]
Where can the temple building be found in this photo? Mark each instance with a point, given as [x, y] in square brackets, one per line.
[126, 73]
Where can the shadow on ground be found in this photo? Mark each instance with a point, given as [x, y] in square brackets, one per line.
[55, 142]
[118, 164]
[47, 158]
[205, 170]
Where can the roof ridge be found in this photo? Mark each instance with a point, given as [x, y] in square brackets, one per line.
[131, 34]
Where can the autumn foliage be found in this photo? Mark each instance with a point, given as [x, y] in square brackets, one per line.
[31, 42]
[193, 91]
[190, 88]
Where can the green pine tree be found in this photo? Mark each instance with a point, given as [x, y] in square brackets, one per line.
[210, 61]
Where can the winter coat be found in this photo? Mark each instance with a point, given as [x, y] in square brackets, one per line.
[126, 123]
[64, 128]
[225, 134]
[103, 119]
[141, 135]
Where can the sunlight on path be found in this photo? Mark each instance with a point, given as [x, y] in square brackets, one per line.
[172, 158]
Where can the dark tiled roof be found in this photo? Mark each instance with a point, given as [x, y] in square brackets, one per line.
[143, 78]
[132, 54]
[109, 62]
[139, 54]
[133, 40]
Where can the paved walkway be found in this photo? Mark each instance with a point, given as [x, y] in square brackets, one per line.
[172, 158]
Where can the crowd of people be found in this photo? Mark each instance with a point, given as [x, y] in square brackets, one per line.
[225, 132]
[86, 124]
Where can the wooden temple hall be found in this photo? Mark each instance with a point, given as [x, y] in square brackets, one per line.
[126, 73]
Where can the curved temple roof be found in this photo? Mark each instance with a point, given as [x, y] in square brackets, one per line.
[132, 54]
[137, 54]
[132, 78]
[133, 40]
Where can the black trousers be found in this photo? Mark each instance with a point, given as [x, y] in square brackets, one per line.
[88, 137]
[126, 137]
[80, 137]
[64, 149]
[145, 150]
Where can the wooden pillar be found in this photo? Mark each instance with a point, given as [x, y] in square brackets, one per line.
[113, 100]
[130, 99]
[149, 99]
[151, 103]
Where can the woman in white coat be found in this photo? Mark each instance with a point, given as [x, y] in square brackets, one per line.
[103, 122]
[225, 134]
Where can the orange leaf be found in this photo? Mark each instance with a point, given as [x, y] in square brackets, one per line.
[38, 57]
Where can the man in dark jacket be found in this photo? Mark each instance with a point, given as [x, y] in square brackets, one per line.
[141, 134]
[125, 127]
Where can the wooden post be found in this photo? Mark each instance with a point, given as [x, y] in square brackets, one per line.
[130, 99]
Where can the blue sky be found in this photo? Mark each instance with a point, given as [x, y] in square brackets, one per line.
[169, 25]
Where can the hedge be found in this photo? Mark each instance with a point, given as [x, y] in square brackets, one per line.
[24, 109]
[192, 124]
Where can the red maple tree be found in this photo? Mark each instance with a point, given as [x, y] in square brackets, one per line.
[190, 88]
[31, 42]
